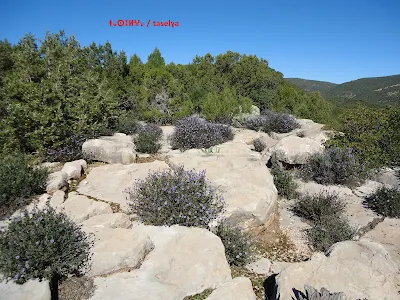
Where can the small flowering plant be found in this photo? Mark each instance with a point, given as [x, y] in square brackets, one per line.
[176, 196]
[240, 246]
[43, 244]
[270, 121]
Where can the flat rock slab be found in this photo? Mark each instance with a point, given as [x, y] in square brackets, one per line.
[80, 208]
[109, 182]
[359, 269]
[239, 288]
[115, 220]
[244, 181]
[118, 248]
[185, 261]
[260, 266]
[31, 290]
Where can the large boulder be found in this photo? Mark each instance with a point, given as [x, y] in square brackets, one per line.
[245, 182]
[296, 150]
[74, 169]
[118, 248]
[80, 208]
[359, 269]
[31, 290]
[109, 182]
[239, 288]
[117, 149]
[185, 261]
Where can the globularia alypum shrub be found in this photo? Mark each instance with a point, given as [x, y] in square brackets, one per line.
[259, 145]
[315, 207]
[176, 196]
[328, 231]
[18, 181]
[43, 244]
[195, 133]
[270, 121]
[313, 294]
[385, 201]
[284, 182]
[334, 166]
[148, 138]
[239, 245]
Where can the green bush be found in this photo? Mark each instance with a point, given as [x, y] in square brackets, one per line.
[239, 245]
[328, 231]
[259, 145]
[127, 123]
[385, 201]
[43, 244]
[318, 206]
[334, 166]
[148, 139]
[175, 196]
[284, 182]
[18, 181]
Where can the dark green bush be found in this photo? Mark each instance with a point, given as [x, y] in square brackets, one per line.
[318, 206]
[127, 123]
[284, 182]
[259, 145]
[175, 196]
[239, 245]
[18, 181]
[334, 166]
[43, 244]
[328, 231]
[148, 139]
[385, 201]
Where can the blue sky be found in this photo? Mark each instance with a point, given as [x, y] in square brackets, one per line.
[334, 41]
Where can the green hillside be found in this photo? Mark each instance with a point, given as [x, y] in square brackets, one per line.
[312, 85]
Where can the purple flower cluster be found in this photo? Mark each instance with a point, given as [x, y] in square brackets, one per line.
[270, 121]
[176, 196]
[195, 133]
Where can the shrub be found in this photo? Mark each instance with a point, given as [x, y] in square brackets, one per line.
[284, 182]
[259, 145]
[148, 139]
[334, 166]
[194, 132]
[175, 196]
[385, 201]
[270, 121]
[313, 294]
[318, 206]
[19, 180]
[43, 244]
[239, 245]
[127, 123]
[328, 231]
[69, 150]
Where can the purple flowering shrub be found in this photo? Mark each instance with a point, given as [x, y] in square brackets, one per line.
[334, 166]
[148, 139]
[270, 121]
[195, 133]
[259, 145]
[239, 245]
[19, 181]
[43, 244]
[176, 196]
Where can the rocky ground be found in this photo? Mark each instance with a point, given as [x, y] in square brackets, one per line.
[136, 261]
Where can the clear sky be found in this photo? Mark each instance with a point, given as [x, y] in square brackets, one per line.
[327, 40]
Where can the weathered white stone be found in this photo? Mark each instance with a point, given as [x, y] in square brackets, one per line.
[260, 266]
[56, 181]
[239, 288]
[296, 150]
[118, 248]
[80, 208]
[74, 169]
[388, 176]
[111, 149]
[359, 269]
[116, 220]
[31, 290]
[109, 182]
[185, 261]
[367, 188]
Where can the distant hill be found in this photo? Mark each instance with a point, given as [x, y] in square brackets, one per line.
[373, 91]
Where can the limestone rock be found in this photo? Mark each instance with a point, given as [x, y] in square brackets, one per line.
[116, 220]
[80, 208]
[388, 176]
[239, 288]
[31, 290]
[56, 181]
[359, 269]
[260, 266]
[367, 188]
[74, 169]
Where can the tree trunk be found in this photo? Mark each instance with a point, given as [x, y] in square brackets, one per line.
[54, 287]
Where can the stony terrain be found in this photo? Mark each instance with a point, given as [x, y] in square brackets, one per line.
[136, 261]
